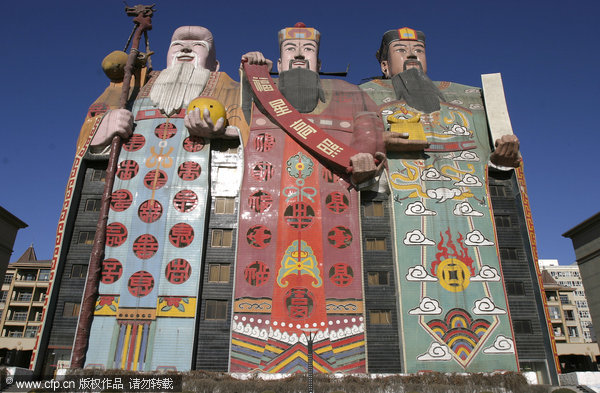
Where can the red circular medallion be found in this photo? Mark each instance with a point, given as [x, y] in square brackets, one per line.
[112, 270]
[145, 246]
[260, 201]
[185, 201]
[264, 142]
[116, 234]
[165, 130]
[135, 143]
[140, 283]
[181, 235]
[337, 202]
[120, 200]
[256, 273]
[178, 271]
[339, 237]
[127, 169]
[258, 236]
[155, 179]
[193, 144]
[189, 170]
[150, 211]
[341, 274]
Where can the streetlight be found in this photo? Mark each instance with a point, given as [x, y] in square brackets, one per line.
[310, 334]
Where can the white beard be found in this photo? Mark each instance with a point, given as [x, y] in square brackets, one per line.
[176, 86]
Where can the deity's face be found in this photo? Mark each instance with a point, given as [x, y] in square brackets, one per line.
[299, 54]
[183, 51]
[402, 55]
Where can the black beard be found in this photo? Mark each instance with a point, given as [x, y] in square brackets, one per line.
[415, 87]
[302, 88]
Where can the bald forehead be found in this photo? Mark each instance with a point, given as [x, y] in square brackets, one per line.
[196, 33]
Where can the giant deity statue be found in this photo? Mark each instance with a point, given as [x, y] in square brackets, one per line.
[454, 313]
[145, 315]
[298, 268]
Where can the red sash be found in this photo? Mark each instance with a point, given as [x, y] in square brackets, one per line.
[307, 134]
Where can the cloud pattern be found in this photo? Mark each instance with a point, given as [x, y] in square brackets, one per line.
[433, 174]
[501, 344]
[469, 181]
[436, 351]
[442, 194]
[485, 306]
[418, 273]
[465, 209]
[416, 238]
[487, 273]
[418, 209]
[427, 306]
[476, 238]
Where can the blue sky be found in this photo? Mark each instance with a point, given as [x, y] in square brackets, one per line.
[546, 52]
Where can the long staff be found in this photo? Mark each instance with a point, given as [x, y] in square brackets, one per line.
[143, 22]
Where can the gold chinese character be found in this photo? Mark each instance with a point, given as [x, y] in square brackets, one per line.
[280, 107]
[329, 148]
[302, 128]
[262, 84]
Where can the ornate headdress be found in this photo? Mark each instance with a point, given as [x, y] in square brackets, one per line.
[405, 33]
[299, 31]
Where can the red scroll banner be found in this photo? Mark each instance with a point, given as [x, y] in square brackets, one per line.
[302, 130]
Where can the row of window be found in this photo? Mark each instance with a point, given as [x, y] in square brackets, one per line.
[29, 275]
[556, 274]
[223, 205]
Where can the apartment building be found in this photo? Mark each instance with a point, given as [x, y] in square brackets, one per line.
[21, 300]
[574, 353]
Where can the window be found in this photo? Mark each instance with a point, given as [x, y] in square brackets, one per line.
[502, 221]
[24, 297]
[554, 312]
[218, 272]
[92, 205]
[573, 332]
[564, 299]
[221, 238]
[44, 275]
[497, 190]
[522, 326]
[569, 315]
[224, 205]
[374, 209]
[71, 309]
[216, 309]
[31, 331]
[380, 317]
[584, 314]
[86, 237]
[508, 253]
[378, 278]
[98, 175]
[79, 271]
[8, 278]
[375, 244]
[515, 288]
[15, 333]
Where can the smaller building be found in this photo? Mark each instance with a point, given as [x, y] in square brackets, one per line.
[586, 243]
[574, 354]
[569, 276]
[9, 226]
[21, 301]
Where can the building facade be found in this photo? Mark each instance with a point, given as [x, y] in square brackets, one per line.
[574, 352]
[9, 225]
[21, 300]
[569, 276]
[522, 311]
[586, 242]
